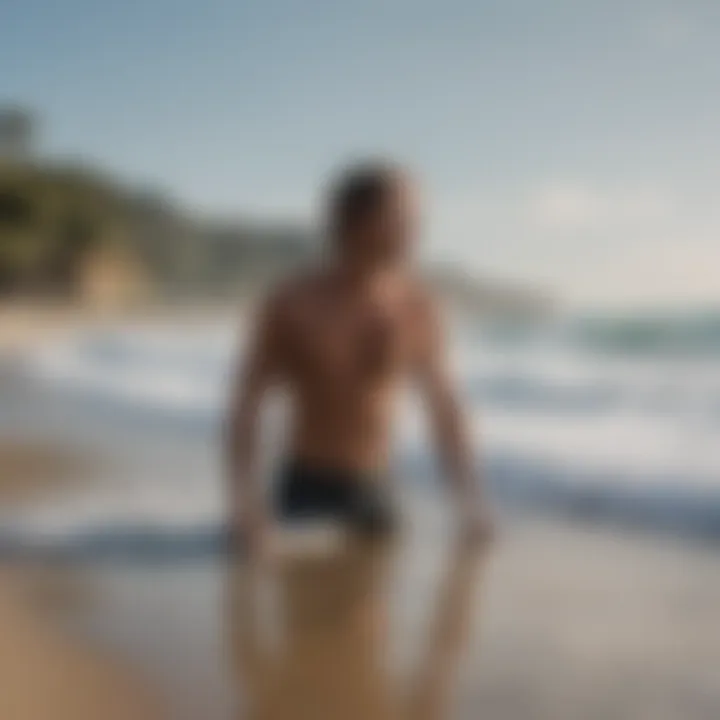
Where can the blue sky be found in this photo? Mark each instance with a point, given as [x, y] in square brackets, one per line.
[569, 143]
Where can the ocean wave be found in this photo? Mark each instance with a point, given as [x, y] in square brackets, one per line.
[694, 334]
[583, 420]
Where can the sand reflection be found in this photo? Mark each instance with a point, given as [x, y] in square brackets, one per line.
[310, 640]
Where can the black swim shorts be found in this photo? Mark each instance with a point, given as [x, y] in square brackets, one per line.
[358, 500]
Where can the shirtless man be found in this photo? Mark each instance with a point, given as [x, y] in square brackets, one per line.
[339, 340]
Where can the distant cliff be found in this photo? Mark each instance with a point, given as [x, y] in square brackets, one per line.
[72, 231]
[58, 221]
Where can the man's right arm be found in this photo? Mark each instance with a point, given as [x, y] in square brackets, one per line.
[258, 371]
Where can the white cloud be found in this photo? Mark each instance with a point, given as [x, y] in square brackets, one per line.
[571, 206]
[592, 242]
[563, 206]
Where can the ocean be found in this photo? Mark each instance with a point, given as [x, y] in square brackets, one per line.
[612, 421]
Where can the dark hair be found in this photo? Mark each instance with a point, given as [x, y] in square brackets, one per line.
[358, 190]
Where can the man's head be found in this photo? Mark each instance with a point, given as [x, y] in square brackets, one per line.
[373, 214]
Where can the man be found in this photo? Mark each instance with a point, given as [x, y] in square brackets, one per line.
[339, 340]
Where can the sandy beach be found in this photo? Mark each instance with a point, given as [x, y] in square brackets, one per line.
[49, 674]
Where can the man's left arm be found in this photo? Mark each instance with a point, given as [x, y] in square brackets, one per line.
[449, 423]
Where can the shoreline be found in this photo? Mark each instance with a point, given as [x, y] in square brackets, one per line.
[25, 326]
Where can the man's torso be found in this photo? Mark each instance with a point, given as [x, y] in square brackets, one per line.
[343, 355]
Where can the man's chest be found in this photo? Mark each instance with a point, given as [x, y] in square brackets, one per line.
[351, 342]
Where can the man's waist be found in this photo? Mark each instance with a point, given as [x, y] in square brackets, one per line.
[331, 471]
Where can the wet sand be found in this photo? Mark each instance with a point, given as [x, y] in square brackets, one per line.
[49, 675]
[556, 623]
[317, 636]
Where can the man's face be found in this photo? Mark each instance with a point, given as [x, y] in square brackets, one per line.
[388, 233]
